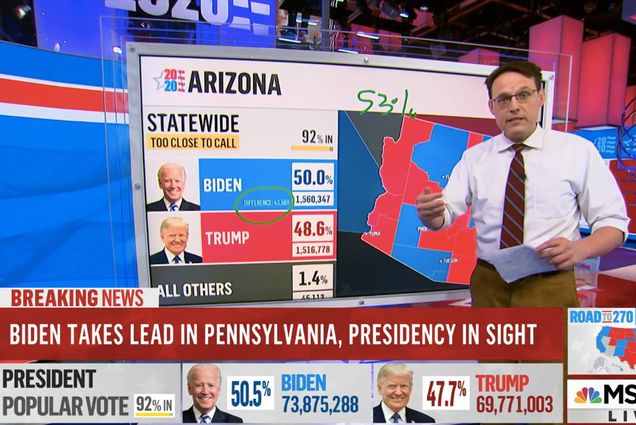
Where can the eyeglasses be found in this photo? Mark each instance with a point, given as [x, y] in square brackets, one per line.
[504, 100]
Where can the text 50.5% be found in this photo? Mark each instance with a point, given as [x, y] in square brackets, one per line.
[251, 392]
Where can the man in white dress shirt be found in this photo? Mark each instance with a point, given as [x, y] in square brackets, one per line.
[565, 179]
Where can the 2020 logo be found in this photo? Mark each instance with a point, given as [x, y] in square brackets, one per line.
[171, 80]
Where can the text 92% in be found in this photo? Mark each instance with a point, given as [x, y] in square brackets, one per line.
[313, 137]
[154, 405]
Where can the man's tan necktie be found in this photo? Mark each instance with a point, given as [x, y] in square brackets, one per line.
[514, 203]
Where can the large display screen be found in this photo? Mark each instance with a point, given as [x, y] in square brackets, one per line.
[268, 175]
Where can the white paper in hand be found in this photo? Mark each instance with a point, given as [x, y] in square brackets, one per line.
[518, 262]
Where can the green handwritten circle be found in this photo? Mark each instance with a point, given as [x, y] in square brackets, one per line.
[254, 189]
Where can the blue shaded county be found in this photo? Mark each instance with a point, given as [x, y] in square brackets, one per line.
[429, 263]
[407, 233]
[605, 330]
[622, 344]
[359, 178]
[438, 157]
[620, 347]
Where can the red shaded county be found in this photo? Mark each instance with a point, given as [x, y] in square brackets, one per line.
[462, 268]
[474, 139]
[436, 241]
[464, 219]
[629, 357]
[387, 205]
[383, 234]
[458, 238]
[395, 154]
[383, 222]
[465, 242]
[617, 334]
[416, 181]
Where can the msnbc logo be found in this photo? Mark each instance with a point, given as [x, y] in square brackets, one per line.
[588, 395]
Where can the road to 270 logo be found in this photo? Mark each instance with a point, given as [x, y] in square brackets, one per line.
[171, 80]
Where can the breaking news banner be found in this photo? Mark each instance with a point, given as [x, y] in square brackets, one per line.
[311, 392]
[183, 334]
[601, 386]
[79, 297]
[308, 365]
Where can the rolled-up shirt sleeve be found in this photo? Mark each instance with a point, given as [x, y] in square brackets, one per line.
[600, 200]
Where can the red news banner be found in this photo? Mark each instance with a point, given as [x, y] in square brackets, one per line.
[281, 334]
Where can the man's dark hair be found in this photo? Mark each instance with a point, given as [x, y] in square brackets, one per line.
[526, 68]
